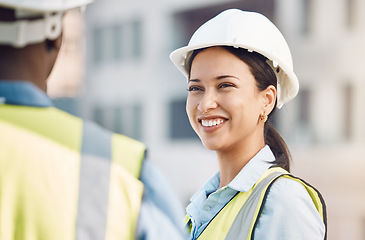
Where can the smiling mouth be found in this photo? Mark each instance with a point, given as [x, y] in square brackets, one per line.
[211, 122]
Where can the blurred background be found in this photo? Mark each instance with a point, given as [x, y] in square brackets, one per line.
[114, 69]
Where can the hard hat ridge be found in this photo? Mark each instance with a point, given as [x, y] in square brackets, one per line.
[251, 31]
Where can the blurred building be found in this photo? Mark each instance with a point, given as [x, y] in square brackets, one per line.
[131, 87]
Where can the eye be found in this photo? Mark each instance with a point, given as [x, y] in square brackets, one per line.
[195, 88]
[226, 85]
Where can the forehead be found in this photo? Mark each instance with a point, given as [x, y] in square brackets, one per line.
[216, 61]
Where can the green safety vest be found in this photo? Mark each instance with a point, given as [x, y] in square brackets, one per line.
[62, 178]
[238, 219]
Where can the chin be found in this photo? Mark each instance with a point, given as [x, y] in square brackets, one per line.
[212, 145]
[212, 142]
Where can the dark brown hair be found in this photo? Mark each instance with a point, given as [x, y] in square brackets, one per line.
[264, 76]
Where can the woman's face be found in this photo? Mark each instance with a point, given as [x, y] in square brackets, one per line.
[224, 103]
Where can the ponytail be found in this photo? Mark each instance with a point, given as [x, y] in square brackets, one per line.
[278, 147]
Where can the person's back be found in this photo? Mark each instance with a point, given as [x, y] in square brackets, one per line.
[62, 177]
[56, 174]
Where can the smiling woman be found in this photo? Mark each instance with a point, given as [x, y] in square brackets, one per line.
[239, 70]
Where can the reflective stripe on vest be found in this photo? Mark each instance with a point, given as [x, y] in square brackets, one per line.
[47, 187]
[94, 183]
[239, 218]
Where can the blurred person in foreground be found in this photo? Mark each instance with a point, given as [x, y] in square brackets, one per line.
[239, 69]
[61, 177]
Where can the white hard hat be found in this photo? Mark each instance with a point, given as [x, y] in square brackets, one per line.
[44, 5]
[251, 31]
[23, 32]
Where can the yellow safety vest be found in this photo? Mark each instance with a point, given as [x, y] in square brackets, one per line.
[62, 178]
[238, 219]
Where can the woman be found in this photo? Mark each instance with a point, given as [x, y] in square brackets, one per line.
[239, 70]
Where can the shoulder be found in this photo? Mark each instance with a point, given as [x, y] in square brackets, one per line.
[287, 190]
[287, 197]
[290, 195]
[289, 212]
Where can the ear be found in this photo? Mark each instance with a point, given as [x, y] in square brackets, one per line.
[54, 45]
[269, 98]
[53, 49]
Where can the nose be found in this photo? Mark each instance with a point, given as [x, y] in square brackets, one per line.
[208, 102]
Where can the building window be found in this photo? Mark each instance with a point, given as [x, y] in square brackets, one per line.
[137, 39]
[98, 116]
[348, 92]
[306, 16]
[118, 120]
[350, 13]
[303, 133]
[179, 123]
[99, 42]
[126, 120]
[304, 107]
[118, 42]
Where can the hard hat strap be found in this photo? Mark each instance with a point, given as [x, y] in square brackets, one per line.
[23, 32]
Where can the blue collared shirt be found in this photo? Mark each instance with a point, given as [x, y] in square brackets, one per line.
[289, 212]
[23, 93]
[160, 213]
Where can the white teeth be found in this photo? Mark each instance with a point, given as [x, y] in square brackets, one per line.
[210, 123]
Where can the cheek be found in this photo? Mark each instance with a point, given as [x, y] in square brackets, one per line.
[242, 108]
[234, 104]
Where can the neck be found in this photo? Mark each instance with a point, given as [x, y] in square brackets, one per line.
[28, 64]
[232, 161]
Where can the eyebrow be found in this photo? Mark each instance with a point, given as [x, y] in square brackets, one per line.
[217, 78]
[193, 80]
[226, 76]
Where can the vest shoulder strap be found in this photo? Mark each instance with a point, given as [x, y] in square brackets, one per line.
[242, 223]
[222, 222]
[247, 219]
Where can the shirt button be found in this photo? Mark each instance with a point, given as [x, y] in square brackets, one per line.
[207, 208]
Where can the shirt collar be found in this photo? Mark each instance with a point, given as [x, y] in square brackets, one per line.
[209, 187]
[23, 93]
[246, 178]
